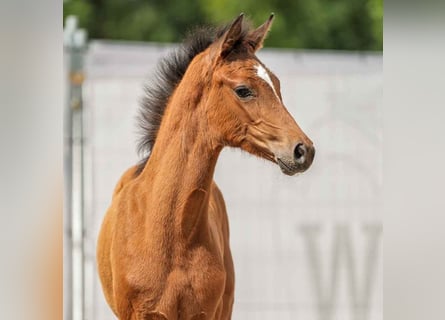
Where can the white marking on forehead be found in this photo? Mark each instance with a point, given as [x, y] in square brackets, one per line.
[263, 74]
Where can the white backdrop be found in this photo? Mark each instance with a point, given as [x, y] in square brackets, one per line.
[305, 247]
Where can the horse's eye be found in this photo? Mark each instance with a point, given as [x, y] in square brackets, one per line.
[243, 92]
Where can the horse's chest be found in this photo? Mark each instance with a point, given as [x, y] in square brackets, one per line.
[193, 292]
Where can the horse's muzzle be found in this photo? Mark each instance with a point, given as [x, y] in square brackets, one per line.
[303, 156]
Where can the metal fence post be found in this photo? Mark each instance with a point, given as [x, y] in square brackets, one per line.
[75, 45]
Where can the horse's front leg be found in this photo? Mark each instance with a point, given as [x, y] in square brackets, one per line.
[149, 316]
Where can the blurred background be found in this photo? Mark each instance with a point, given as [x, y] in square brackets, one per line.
[306, 247]
[314, 24]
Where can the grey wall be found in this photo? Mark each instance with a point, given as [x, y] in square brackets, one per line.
[306, 247]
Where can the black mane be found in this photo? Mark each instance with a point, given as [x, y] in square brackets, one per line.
[168, 74]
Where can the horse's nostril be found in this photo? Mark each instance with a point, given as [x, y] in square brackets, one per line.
[299, 151]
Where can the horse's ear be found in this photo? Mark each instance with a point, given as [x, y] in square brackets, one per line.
[256, 37]
[230, 38]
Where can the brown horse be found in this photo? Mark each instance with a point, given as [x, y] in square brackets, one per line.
[163, 250]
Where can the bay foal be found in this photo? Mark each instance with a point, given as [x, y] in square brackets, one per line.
[163, 250]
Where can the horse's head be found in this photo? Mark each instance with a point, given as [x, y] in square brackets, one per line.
[245, 108]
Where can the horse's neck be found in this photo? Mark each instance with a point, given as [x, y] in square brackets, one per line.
[180, 172]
